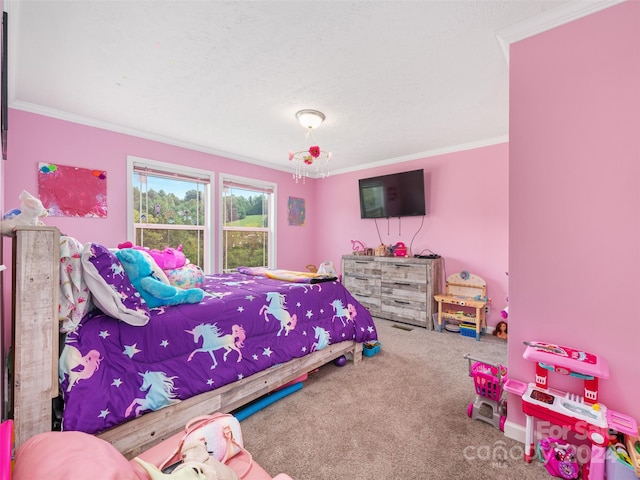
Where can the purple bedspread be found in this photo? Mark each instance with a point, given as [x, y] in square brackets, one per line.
[111, 372]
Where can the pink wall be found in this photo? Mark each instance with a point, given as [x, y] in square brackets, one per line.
[467, 198]
[466, 222]
[574, 199]
[35, 138]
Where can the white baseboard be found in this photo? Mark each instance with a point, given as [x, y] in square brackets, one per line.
[514, 431]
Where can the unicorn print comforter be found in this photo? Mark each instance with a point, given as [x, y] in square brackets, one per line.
[111, 372]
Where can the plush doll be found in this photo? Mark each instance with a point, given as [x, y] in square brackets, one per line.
[30, 212]
[154, 292]
[196, 464]
[157, 271]
[188, 276]
[167, 259]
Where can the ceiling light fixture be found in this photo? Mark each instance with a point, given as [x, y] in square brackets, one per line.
[312, 159]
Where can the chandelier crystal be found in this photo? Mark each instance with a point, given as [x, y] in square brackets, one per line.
[312, 160]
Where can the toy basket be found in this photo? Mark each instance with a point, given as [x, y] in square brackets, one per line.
[488, 379]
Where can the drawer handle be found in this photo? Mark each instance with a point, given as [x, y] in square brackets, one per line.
[360, 261]
[402, 303]
[362, 278]
[401, 265]
[401, 283]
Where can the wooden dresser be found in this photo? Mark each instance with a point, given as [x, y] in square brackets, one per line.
[396, 288]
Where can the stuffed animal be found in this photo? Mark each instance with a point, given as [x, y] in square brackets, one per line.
[154, 292]
[188, 276]
[30, 212]
[167, 259]
[197, 464]
[157, 271]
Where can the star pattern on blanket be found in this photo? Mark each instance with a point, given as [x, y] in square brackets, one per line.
[131, 350]
[256, 342]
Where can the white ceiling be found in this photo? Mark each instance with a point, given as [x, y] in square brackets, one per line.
[396, 79]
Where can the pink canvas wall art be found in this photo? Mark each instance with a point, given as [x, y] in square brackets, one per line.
[72, 191]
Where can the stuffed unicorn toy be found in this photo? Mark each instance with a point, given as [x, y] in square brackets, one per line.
[30, 212]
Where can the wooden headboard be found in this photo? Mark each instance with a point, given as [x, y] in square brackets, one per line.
[34, 328]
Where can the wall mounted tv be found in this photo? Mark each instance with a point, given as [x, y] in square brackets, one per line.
[395, 195]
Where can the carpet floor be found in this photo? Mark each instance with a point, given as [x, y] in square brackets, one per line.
[400, 414]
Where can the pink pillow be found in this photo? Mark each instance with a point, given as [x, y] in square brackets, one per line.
[70, 455]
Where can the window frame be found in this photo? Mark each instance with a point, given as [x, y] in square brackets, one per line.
[209, 238]
[272, 204]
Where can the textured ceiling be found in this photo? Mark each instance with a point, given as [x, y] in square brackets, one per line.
[394, 79]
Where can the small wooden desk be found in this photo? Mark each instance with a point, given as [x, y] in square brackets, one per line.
[464, 300]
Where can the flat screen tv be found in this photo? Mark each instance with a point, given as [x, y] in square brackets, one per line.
[394, 195]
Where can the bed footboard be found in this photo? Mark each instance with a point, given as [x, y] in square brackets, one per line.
[138, 435]
[34, 329]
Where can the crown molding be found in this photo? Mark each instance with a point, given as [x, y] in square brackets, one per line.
[429, 153]
[91, 122]
[548, 20]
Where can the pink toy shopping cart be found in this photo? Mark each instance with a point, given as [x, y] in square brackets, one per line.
[488, 379]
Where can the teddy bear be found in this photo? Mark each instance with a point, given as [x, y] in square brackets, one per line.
[30, 212]
[196, 464]
[154, 292]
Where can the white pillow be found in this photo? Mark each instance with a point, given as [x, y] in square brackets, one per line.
[112, 291]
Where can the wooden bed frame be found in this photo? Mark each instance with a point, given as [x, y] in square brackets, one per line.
[36, 253]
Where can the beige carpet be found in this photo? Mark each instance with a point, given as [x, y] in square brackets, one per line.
[401, 414]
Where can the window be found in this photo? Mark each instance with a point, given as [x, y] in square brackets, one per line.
[169, 205]
[248, 223]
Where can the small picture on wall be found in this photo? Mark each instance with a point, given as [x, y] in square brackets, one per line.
[296, 211]
[72, 191]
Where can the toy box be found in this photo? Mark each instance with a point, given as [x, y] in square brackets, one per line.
[468, 329]
[618, 469]
[370, 349]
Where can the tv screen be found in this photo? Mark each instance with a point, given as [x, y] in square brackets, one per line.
[395, 195]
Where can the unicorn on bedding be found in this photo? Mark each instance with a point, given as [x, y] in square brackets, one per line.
[277, 308]
[213, 339]
[159, 388]
[323, 338]
[76, 366]
[345, 315]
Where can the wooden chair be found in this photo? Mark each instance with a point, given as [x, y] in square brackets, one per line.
[464, 300]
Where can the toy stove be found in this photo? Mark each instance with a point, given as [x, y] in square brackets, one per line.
[581, 413]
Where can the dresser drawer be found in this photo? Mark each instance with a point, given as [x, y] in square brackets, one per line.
[363, 266]
[408, 272]
[370, 302]
[404, 290]
[361, 285]
[404, 311]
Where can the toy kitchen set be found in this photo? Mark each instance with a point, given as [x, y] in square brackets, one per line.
[582, 414]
